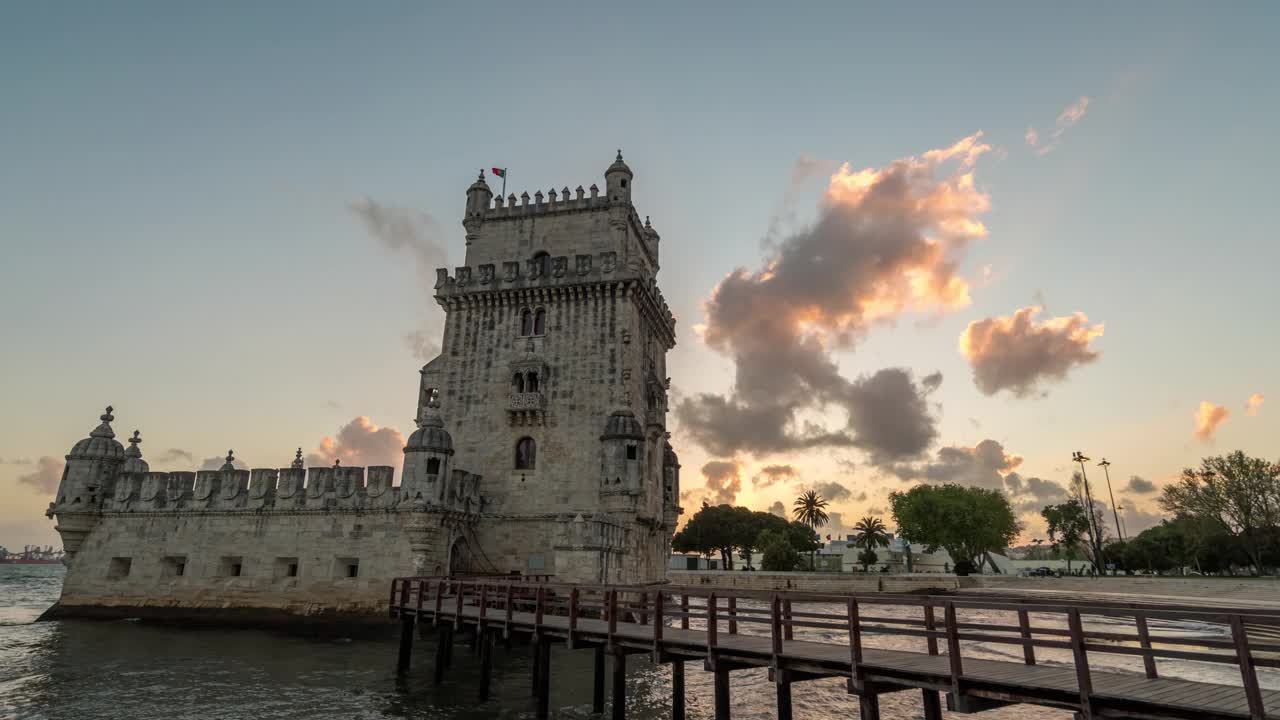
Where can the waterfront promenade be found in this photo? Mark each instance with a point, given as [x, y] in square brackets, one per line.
[1063, 652]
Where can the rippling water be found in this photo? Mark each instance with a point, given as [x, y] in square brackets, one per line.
[124, 669]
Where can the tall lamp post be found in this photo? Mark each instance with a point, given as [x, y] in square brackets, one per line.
[1106, 465]
[1079, 457]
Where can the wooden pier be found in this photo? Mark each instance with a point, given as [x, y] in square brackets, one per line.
[732, 630]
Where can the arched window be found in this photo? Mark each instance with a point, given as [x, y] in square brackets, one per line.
[433, 466]
[517, 383]
[526, 454]
[540, 322]
[533, 382]
[526, 322]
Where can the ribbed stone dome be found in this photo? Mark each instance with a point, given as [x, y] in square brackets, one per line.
[618, 166]
[430, 435]
[133, 456]
[101, 443]
[622, 424]
[669, 457]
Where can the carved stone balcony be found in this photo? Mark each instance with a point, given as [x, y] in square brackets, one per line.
[526, 408]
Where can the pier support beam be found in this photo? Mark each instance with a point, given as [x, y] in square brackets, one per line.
[783, 686]
[932, 704]
[721, 682]
[406, 643]
[543, 690]
[597, 690]
[486, 663]
[443, 640]
[869, 705]
[677, 690]
[619, 685]
[535, 647]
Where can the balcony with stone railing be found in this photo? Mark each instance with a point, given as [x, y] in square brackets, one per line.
[526, 408]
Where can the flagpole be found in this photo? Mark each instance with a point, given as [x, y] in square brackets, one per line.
[504, 182]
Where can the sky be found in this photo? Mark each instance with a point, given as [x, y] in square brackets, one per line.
[903, 244]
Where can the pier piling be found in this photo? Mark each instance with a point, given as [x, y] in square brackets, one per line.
[597, 690]
[619, 685]
[406, 643]
[677, 690]
[721, 682]
[486, 663]
[543, 689]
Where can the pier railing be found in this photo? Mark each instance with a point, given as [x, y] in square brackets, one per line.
[734, 625]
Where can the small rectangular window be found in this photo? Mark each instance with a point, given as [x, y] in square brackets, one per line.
[537, 562]
[631, 452]
[346, 567]
[231, 566]
[173, 566]
[286, 567]
[119, 567]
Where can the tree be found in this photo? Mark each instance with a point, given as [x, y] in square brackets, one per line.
[869, 533]
[810, 509]
[1241, 494]
[1068, 524]
[779, 554]
[709, 530]
[967, 522]
[868, 558]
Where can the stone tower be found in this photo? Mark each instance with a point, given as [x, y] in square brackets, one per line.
[551, 383]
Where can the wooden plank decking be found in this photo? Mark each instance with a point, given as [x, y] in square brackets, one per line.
[656, 621]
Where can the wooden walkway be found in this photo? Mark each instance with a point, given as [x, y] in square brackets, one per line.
[679, 624]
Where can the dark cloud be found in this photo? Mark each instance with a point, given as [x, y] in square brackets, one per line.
[360, 443]
[1139, 485]
[1135, 520]
[835, 492]
[46, 476]
[772, 475]
[983, 465]
[723, 481]
[777, 508]
[173, 455]
[886, 241]
[1032, 494]
[1020, 355]
[417, 234]
[216, 463]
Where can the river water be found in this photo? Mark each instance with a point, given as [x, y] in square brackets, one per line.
[126, 669]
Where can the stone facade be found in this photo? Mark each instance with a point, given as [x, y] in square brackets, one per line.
[541, 445]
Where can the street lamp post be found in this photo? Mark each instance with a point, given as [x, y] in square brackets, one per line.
[1106, 465]
[1093, 524]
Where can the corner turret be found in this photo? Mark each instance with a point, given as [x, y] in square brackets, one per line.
[428, 457]
[133, 456]
[88, 477]
[617, 181]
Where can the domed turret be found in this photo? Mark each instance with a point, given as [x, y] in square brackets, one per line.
[622, 449]
[478, 198]
[101, 443]
[133, 456]
[427, 457]
[617, 181]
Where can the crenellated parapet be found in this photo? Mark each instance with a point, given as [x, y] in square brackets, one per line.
[551, 278]
[257, 490]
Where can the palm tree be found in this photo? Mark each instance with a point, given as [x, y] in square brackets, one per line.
[868, 534]
[810, 509]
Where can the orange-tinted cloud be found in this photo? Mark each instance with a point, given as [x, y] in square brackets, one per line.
[360, 443]
[1073, 114]
[983, 465]
[723, 481]
[1254, 404]
[1019, 353]
[1208, 418]
[772, 475]
[886, 241]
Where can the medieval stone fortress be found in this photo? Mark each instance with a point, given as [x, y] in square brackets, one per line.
[541, 445]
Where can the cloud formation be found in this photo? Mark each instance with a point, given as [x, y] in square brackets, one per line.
[1139, 485]
[983, 465]
[777, 508]
[1031, 494]
[172, 456]
[772, 475]
[1208, 418]
[15, 461]
[46, 475]
[216, 463]
[1020, 354]
[723, 481]
[886, 241]
[835, 492]
[1254, 404]
[1073, 114]
[360, 443]
[417, 234]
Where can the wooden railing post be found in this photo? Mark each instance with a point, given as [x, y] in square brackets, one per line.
[658, 622]
[1248, 671]
[506, 620]
[1083, 678]
[684, 610]
[458, 591]
[613, 614]
[391, 601]
[422, 593]
[573, 615]
[484, 604]
[855, 646]
[930, 626]
[539, 607]
[1144, 638]
[733, 615]
[789, 632]
[953, 653]
[644, 607]
[435, 617]
[1024, 629]
[712, 621]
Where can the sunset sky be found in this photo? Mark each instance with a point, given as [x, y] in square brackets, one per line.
[902, 245]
